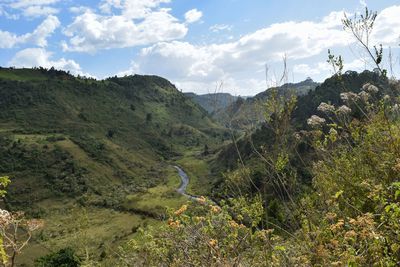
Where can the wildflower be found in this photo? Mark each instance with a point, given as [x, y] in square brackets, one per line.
[181, 210]
[199, 219]
[330, 216]
[396, 108]
[315, 121]
[337, 226]
[364, 96]
[34, 224]
[269, 231]
[213, 243]
[5, 218]
[321, 251]
[215, 209]
[233, 224]
[350, 234]
[344, 110]
[396, 167]
[201, 200]
[349, 96]
[174, 224]
[395, 84]
[335, 243]
[386, 98]
[326, 108]
[370, 88]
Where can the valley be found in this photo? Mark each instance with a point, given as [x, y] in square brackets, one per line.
[178, 133]
[94, 159]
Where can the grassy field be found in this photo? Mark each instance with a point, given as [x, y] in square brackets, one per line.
[156, 199]
[198, 171]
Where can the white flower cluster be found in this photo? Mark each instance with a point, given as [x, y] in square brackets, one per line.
[364, 96]
[5, 218]
[349, 96]
[326, 108]
[394, 84]
[315, 121]
[386, 98]
[344, 110]
[370, 88]
[396, 108]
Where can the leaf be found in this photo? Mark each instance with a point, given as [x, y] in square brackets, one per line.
[338, 194]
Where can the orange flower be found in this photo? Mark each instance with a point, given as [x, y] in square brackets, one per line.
[233, 224]
[202, 200]
[350, 234]
[337, 226]
[215, 209]
[174, 224]
[213, 243]
[330, 216]
[181, 210]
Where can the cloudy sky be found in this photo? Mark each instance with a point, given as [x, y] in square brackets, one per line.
[196, 44]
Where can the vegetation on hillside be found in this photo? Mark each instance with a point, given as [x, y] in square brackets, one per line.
[317, 185]
[72, 144]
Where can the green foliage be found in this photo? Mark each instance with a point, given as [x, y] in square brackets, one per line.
[69, 140]
[204, 234]
[65, 257]
[4, 182]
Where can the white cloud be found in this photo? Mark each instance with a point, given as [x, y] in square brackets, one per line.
[37, 37]
[79, 9]
[28, 3]
[31, 8]
[143, 25]
[39, 57]
[363, 3]
[242, 61]
[387, 27]
[193, 15]
[221, 27]
[38, 11]
[307, 70]
[185, 63]
[131, 9]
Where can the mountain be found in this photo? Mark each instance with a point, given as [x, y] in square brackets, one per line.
[213, 102]
[306, 106]
[106, 147]
[248, 113]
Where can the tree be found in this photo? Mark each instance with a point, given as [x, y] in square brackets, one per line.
[12, 239]
[63, 258]
[206, 152]
[149, 117]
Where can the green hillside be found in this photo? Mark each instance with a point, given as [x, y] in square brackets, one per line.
[107, 147]
[246, 114]
[213, 102]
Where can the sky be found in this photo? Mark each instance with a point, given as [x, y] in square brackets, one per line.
[202, 46]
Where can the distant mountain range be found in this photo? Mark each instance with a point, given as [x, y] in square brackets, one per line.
[245, 113]
[213, 102]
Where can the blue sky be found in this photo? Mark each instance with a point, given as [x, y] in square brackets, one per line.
[195, 44]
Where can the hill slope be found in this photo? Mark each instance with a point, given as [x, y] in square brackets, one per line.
[103, 146]
[213, 102]
[248, 113]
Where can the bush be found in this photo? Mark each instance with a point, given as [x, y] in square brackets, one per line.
[63, 258]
